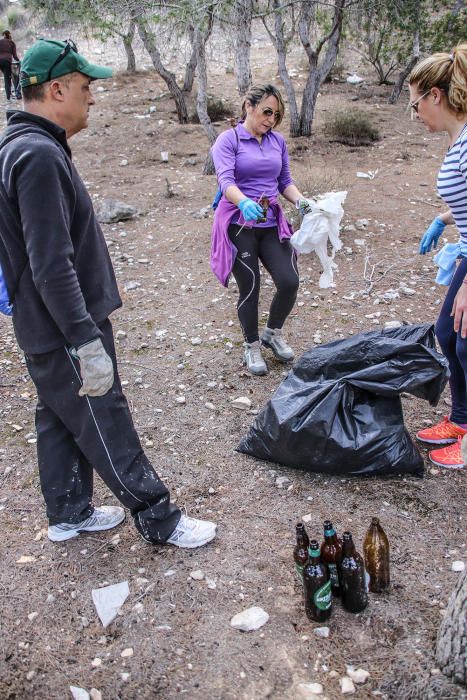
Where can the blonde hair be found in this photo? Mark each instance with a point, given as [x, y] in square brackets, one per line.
[447, 71]
[259, 92]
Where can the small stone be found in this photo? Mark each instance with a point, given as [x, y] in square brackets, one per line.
[212, 585]
[196, 341]
[126, 653]
[359, 676]
[32, 616]
[282, 482]
[95, 663]
[181, 400]
[50, 598]
[307, 518]
[458, 566]
[30, 675]
[347, 686]
[170, 572]
[321, 631]
[250, 619]
[243, 403]
[78, 693]
[393, 324]
[197, 575]
[308, 691]
[125, 676]
[210, 406]
[25, 559]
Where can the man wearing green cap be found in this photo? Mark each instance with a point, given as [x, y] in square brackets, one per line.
[63, 289]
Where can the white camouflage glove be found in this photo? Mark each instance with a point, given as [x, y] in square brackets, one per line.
[97, 370]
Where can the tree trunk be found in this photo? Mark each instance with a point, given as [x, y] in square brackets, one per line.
[190, 67]
[168, 77]
[318, 72]
[280, 43]
[405, 73]
[128, 44]
[200, 41]
[451, 646]
[243, 16]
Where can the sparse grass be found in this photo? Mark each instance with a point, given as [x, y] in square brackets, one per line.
[353, 128]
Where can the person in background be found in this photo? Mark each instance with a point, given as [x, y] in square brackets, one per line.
[252, 167]
[7, 55]
[438, 93]
[62, 284]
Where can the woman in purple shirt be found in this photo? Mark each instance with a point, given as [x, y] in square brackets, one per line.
[7, 54]
[252, 166]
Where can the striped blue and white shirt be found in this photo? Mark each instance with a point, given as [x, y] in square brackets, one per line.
[452, 182]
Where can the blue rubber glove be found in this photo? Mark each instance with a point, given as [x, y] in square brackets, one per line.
[431, 236]
[250, 210]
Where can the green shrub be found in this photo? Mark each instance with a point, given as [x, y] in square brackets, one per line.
[353, 128]
[217, 110]
[16, 18]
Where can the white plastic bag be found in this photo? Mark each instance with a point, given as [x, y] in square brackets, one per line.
[321, 224]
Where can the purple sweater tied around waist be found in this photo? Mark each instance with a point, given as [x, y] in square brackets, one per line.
[223, 251]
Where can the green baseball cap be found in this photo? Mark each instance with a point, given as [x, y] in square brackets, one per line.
[48, 59]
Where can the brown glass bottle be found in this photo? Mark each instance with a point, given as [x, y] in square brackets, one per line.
[331, 555]
[352, 577]
[317, 586]
[300, 553]
[376, 553]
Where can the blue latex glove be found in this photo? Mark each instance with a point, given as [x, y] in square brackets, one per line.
[250, 210]
[431, 236]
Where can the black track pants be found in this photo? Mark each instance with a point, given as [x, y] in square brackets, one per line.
[78, 434]
[279, 259]
[5, 67]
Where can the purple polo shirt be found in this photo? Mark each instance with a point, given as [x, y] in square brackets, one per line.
[257, 169]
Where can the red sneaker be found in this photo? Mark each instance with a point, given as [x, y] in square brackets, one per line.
[448, 457]
[441, 433]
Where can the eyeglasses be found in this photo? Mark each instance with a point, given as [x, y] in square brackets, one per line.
[268, 112]
[69, 46]
[414, 105]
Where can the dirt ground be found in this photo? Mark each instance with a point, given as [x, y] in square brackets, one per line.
[179, 628]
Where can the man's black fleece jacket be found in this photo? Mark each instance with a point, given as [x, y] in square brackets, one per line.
[52, 250]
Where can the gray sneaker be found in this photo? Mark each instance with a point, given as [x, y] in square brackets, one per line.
[253, 359]
[103, 518]
[191, 533]
[272, 339]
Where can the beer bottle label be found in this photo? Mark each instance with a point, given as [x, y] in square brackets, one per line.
[333, 574]
[322, 597]
[299, 571]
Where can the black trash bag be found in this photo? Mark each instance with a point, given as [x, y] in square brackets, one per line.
[339, 411]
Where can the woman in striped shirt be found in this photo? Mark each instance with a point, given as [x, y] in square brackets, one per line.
[438, 92]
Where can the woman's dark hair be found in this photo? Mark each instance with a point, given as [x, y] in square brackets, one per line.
[6, 34]
[257, 93]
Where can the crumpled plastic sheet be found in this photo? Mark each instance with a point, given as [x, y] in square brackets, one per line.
[317, 228]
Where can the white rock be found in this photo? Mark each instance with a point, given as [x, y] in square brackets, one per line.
[361, 224]
[95, 663]
[408, 291]
[196, 341]
[212, 585]
[243, 403]
[458, 566]
[95, 694]
[359, 675]
[359, 241]
[250, 619]
[32, 616]
[282, 482]
[79, 693]
[321, 631]
[181, 400]
[197, 575]
[308, 691]
[307, 518]
[126, 653]
[347, 686]
[392, 324]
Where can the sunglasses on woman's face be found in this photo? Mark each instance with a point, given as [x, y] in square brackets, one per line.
[268, 112]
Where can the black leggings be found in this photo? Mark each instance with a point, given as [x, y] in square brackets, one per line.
[279, 259]
[5, 67]
[454, 348]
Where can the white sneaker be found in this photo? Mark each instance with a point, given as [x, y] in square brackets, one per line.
[272, 339]
[253, 359]
[103, 518]
[191, 533]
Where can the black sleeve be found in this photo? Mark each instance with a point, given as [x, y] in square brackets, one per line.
[46, 200]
